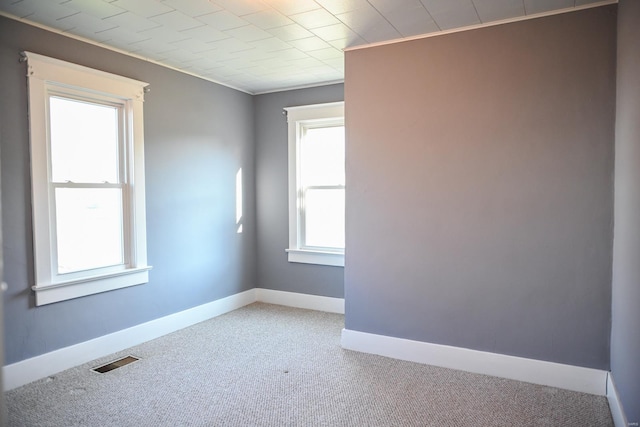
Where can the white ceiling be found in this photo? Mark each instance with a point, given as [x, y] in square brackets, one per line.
[260, 46]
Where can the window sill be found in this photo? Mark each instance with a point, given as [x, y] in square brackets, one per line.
[316, 257]
[47, 294]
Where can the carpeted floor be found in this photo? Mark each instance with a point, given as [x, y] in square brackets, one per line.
[266, 365]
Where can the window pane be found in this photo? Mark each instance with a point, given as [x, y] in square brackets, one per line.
[84, 141]
[89, 228]
[322, 156]
[324, 218]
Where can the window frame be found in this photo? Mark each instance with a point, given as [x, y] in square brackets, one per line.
[299, 118]
[52, 77]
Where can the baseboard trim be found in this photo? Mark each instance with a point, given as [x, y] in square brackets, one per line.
[28, 370]
[576, 378]
[293, 299]
[615, 405]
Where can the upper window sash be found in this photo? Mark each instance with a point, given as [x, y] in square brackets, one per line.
[121, 106]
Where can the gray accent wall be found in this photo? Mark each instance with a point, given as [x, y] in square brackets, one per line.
[272, 200]
[625, 331]
[197, 136]
[480, 188]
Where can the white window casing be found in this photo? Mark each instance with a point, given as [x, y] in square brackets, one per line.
[49, 77]
[299, 119]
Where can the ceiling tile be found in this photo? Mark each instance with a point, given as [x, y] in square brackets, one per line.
[88, 33]
[327, 53]
[131, 21]
[163, 34]
[409, 17]
[98, 9]
[155, 56]
[183, 56]
[539, 6]
[193, 7]
[144, 8]
[345, 43]
[266, 19]
[272, 44]
[290, 32]
[152, 47]
[205, 63]
[44, 12]
[248, 33]
[310, 43]
[306, 62]
[276, 64]
[335, 32]
[223, 20]
[122, 45]
[239, 64]
[176, 21]
[83, 20]
[241, 7]
[288, 7]
[369, 24]
[223, 55]
[192, 45]
[122, 35]
[337, 63]
[19, 9]
[342, 6]
[231, 45]
[450, 14]
[289, 54]
[223, 71]
[315, 18]
[495, 10]
[205, 33]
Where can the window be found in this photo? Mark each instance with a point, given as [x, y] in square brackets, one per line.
[316, 184]
[87, 174]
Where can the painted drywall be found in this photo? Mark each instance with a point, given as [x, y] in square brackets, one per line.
[274, 271]
[197, 136]
[625, 330]
[480, 190]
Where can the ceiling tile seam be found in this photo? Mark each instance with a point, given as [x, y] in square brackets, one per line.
[117, 50]
[349, 27]
[431, 16]
[473, 3]
[485, 25]
[385, 18]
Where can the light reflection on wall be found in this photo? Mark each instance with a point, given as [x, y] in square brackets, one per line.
[239, 201]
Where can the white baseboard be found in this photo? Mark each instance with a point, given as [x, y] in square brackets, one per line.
[576, 378]
[617, 413]
[293, 299]
[26, 371]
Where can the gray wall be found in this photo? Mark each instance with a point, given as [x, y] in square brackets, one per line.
[274, 271]
[197, 135]
[625, 330]
[480, 192]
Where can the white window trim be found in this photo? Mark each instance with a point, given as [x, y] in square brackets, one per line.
[296, 115]
[44, 73]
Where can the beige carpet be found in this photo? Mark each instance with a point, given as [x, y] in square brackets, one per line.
[266, 365]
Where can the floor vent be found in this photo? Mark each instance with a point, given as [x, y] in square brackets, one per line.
[115, 364]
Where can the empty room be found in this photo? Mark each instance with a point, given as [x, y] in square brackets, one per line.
[320, 212]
